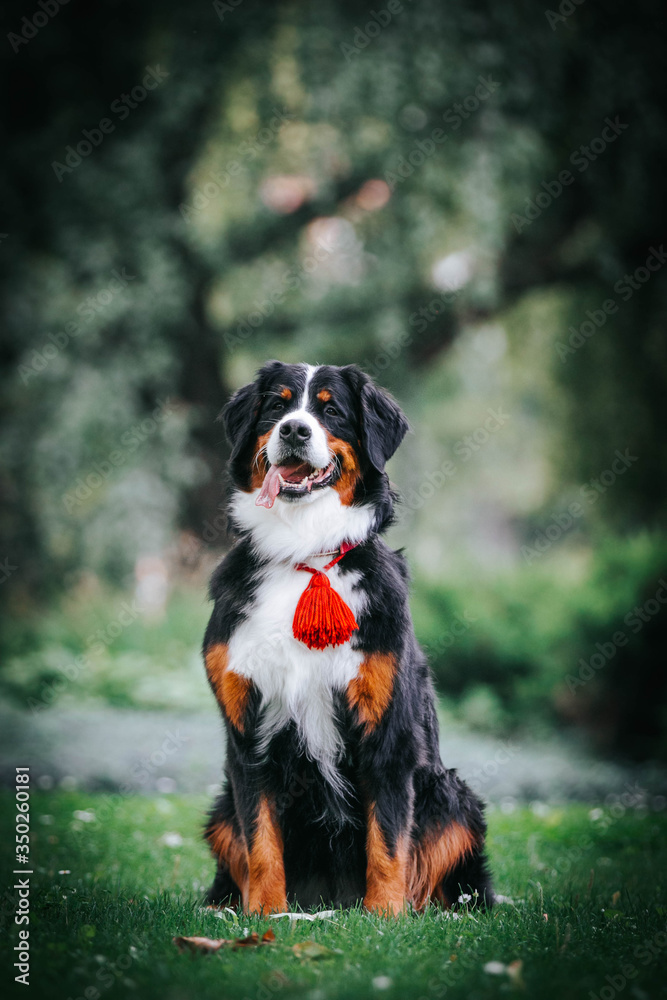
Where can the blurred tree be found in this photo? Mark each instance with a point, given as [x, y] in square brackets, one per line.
[325, 182]
[83, 361]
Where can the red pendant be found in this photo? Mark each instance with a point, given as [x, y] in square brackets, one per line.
[322, 618]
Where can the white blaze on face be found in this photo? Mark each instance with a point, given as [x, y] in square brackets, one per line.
[316, 451]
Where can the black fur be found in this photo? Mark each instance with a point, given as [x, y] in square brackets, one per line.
[397, 765]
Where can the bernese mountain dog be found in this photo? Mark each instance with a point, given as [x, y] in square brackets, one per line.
[334, 789]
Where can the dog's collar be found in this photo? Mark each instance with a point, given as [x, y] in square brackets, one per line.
[342, 550]
[338, 554]
[322, 618]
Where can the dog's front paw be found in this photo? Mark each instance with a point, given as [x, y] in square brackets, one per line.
[385, 904]
[263, 903]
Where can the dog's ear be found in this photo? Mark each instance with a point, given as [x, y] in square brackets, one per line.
[383, 424]
[238, 416]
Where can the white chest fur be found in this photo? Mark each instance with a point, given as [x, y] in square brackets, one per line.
[296, 683]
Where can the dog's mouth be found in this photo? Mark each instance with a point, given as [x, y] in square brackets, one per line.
[293, 478]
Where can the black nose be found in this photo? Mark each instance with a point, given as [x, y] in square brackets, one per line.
[294, 433]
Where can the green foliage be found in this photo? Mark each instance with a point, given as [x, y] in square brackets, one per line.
[281, 193]
[527, 649]
[515, 650]
[273, 132]
[99, 646]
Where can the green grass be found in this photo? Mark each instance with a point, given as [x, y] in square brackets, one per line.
[588, 893]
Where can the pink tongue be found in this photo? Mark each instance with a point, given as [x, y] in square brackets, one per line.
[271, 485]
[270, 488]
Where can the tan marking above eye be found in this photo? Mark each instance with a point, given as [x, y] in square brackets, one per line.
[286, 393]
[324, 395]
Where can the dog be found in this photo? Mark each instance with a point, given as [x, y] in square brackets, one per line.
[334, 789]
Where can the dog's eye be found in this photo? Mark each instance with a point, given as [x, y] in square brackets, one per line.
[278, 406]
[331, 411]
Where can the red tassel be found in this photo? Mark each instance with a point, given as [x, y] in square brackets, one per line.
[322, 618]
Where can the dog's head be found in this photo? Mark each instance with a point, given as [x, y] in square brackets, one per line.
[299, 433]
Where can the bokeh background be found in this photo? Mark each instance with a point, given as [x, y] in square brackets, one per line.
[466, 199]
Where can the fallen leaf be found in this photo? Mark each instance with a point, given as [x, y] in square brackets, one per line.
[311, 949]
[247, 942]
[208, 945]
[200, 944]
[515, 973]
